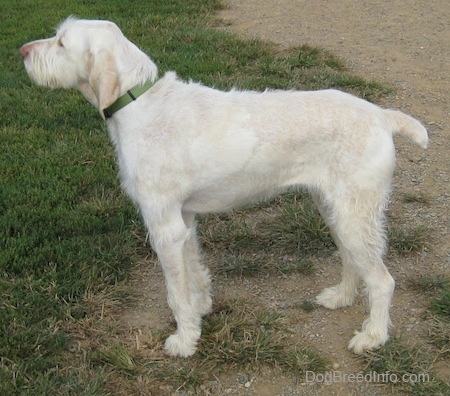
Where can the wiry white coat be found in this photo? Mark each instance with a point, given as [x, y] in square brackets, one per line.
[184, 149]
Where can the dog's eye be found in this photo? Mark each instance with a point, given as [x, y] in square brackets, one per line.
[60, 43]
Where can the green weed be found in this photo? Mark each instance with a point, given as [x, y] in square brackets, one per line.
[428, 283]
[307, 306]
[416, 198]
[440, 305]
[405, 240]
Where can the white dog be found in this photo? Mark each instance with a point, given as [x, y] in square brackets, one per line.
[184, 149]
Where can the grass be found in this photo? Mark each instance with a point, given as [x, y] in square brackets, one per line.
[242, 338]
[409, 368]
[404, 240]
[441, 303]
[69, 237]
[236, 338]
[428, 283]
[403, 361]
[439, 334]
[279, 235]
[438, 313]
[307, 306]
[416, 198]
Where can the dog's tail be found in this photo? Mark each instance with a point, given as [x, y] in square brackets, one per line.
[408, 126]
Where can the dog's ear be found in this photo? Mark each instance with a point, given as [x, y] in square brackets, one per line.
[103, 78]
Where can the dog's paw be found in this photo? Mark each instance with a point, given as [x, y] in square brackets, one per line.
[365, 341]
[177, 347]
[334, 297]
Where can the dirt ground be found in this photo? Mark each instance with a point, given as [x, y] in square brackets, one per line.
[406, 45]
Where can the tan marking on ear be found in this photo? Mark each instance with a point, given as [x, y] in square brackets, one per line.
[104, 79]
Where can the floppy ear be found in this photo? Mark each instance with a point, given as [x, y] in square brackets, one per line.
[103, 79]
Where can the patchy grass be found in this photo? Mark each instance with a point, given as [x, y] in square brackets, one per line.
[439, 334]
[401, 359]
[416, 198]
[407, 369]
[438, 313]
[279, 235]
[307, 306]
[236, 338]
[243, 338]
[428, 283]
[440, 305]
[405, 240]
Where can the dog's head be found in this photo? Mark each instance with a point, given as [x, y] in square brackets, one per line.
[90, 55]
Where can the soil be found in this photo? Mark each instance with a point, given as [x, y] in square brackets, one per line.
[405, 45]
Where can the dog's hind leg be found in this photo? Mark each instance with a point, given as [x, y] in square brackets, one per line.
[198, 274]
[170, 235]
[380, 288]
[343, 294]
[358, 227]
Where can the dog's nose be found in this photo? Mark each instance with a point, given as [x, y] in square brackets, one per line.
[25, 50]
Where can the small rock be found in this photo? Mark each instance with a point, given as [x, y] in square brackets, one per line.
[243, 379]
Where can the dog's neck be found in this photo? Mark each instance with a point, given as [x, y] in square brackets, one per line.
[135, 73]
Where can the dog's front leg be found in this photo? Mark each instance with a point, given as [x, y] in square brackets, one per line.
[198, 274]
[181, 300]
[169, 236]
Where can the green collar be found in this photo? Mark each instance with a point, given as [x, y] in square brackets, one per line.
[127, 98]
